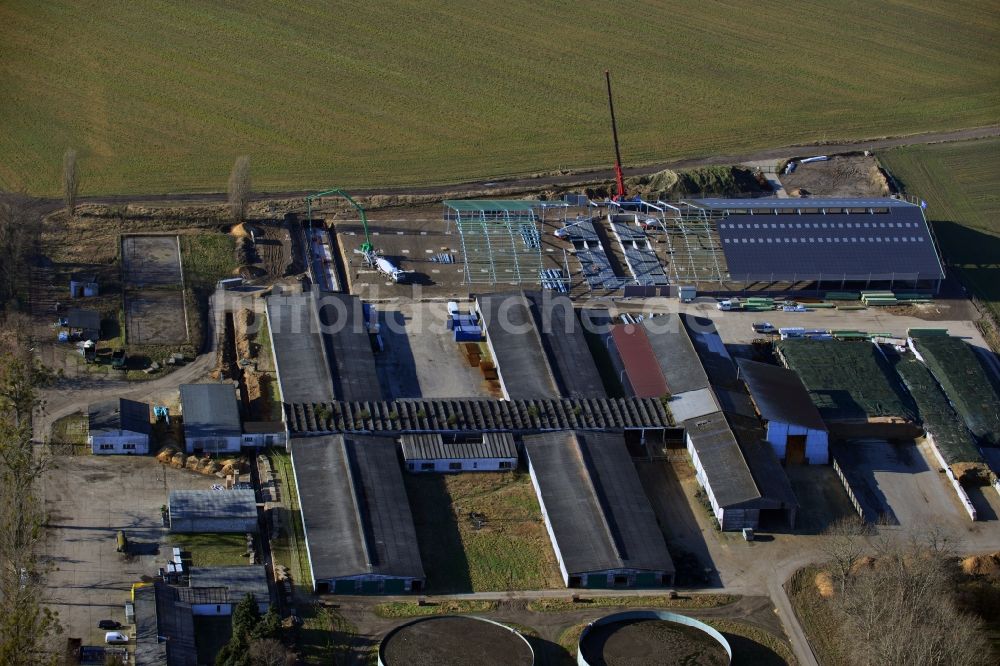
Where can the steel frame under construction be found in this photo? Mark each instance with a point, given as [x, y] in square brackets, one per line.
[692, 239]
[501, 240]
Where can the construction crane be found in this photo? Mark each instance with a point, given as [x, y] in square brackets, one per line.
[619, 180]
[367, 250]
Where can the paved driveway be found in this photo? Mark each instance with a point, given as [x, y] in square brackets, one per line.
[90, 498]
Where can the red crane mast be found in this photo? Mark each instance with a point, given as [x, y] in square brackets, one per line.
[614, 133]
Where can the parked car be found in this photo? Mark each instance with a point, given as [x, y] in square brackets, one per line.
[764, 327]
[115, 637]
[109, 624]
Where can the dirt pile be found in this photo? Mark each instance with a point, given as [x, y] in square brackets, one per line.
[982, 565]
[707, 181]
[170, 455]
[824, 584]
[863, 563]
[243, 320]
[840, 176]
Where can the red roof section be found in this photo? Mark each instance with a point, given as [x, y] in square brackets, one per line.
[641, 366]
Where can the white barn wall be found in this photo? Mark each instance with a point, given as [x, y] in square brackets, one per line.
[817, 441]
[265, 439]
[212, 444]
[703, 480]
[467, 465]
[548, 524]
[118, 442]
[731, 518]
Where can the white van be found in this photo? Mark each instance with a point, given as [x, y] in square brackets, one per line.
[114, 637]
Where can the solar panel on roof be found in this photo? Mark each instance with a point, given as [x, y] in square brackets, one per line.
[794, 250]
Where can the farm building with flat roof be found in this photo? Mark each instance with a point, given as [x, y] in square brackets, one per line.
[794, 427]
[211, 418]
[600, 522]
[164, 628]
[826, 240]
[659, 360]
[738, 469]
[322, 348]
[516, 347]
[217, 590]
[119, 426]
[435, 452]
[359, 531]
[565, 344]
[212, 511]
[348, 345]
[300, 362]
[538, 343]
[724, 469]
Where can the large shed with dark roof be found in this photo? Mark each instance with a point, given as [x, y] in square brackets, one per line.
[359, 530]
[600, 522]
[740, 472]
[348, 345]
[213, 511]
[211, 418]
[300, 360]
[565, 343]
[538, 342]
[516, 346]
[119, 426]
[825, 240]
[795, 428]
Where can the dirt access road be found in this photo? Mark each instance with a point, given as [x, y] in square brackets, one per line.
[544, 182]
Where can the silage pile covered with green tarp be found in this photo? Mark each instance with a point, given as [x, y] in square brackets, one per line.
[848, 381]
[951, 437]
[965, 382]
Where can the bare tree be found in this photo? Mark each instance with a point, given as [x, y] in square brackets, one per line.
[270, 652]
[903, 609]
[19, 228]
[239, 188]
[844, 546]
[70, 181]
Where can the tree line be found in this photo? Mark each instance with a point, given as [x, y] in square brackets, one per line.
[28, 628]
[897, 599]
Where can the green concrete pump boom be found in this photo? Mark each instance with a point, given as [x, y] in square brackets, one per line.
[367, 247]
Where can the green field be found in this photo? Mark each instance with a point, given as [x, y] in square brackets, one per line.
[510, 551]
[961, 184]
[161, 96]
[213, 550]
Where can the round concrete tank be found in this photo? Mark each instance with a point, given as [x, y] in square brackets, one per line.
[454, 640]
[651, 637]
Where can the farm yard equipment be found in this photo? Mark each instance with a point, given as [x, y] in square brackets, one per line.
[367, 249]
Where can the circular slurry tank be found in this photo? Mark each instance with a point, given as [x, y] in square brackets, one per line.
[454, 640]
[651, 638]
